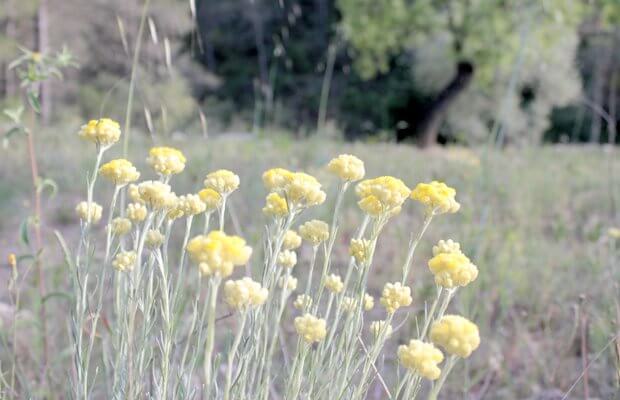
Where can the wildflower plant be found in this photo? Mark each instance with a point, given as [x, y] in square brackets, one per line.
[166, 306]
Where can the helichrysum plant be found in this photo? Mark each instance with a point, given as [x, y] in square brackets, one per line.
[168, 301]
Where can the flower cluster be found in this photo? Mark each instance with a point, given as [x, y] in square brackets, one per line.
[333, 283]
[291, 240]
[395, 296]
[369, 302]
[302, 302]
[359, 249]
[438, 197]
[243, 293]
[222, 181]
[157, 195]
[422, 358]
[120, 172]
[275, 206]
[120, 226]
[314, 232]
[289, 283]
[154, 239]
[136, 212]
[457, 335]
[381, 196]
[166, 160]
[104, 132]
[211, 198]
[191, 204]
[349, 304]
[452, 269]
[299, 189]
[124, 261]
[347, 167]
[310, 328]
[287, 259]
[89, 212]
[218, 253]
[446, 246]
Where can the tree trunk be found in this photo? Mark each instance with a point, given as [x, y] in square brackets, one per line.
[428, 128]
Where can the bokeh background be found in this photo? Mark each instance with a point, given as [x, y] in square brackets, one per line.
[514, 103]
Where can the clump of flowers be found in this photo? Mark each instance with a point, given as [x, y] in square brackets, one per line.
[289, 283]
[287, 259]
[218, 253]
[381, 196]
[299, 189]
[275, 206]
[243, 293]
[103, 132]
[156, 195]
[369, 302]
[291, 240]
[154, 239]
[124, 261]
[349, 304]
[347, 167]
[359, 250]
[303, 302]
[314, 232]
[120, 172]
[334, 283]
[446, 246]
[89, 212]
[136, 212]
[120, 226]
[222, 181]
[191, 204]
[452, 269]
[456, 335]
[395, 296]
[422, 358]
[310, 328]
[438, 197]
[166, 160]
[211, 198]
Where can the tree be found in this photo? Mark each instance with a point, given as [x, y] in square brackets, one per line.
[479, 42]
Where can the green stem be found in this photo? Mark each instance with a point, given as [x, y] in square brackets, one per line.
[232, 353]
[208, 365]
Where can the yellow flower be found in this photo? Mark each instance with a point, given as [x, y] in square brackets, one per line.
[457, 335]
[156, 195]
[289, 283]
[349, 304]
[120, 226]
[310, 328]
[12, 260]
[438, 197]
[191, 204]
[381, 196]
[89, 213]
[134, 194]
[446, 246]
[166, 160]
[154, 239]
[287, 259]
[304, 191]
[222, 181]
[359, 249]
[452, 269]
[421, 358]
[333, 283]
[218, 253]
[369, 302]
[347, 167]
[291, 240]
[302, 302]
[394, 296]
[136, 212]
[376, 327]
[276, 179]
[614, 233]
[124, 261]
[314, 232]
[104, 132]
[211, 198]
[120, 172]
[275, 206]
[244, 293]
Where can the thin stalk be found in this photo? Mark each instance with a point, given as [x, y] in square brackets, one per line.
[208, 365]
[232, 353]
[413, 245]
[442, 379]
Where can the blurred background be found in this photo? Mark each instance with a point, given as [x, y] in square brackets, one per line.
[512, 102]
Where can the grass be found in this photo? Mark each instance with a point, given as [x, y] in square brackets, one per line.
[533, 220]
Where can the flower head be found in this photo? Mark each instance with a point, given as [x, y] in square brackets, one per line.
[369, 302]
[333, 283]
[349, 304]
[89, 212]
[166, 160]
[381, 196]
[310, 328]
[360, 249]
[438, 197]
[394, 296]
[276, 179]
[457, 335]
[421, 358]
[222, 181]
[218, 253]
[104, 132]
[134, 193]
[287, 259]
[347, 167]
[156, 195]
[124, 261]
[314, 232]
[211, 198]
[120, 172]
[154, 239]
[275, 206]
[376, 327]
[191, 204]
[299, 189]
[243, 293]
[446, 246]
[291, 240]
[452, 269]
[136, 212]
[302, 302]
[120, 226]
[289, 283]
